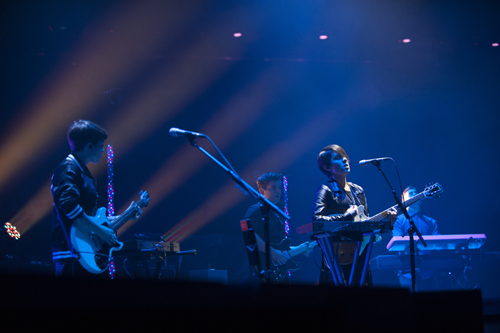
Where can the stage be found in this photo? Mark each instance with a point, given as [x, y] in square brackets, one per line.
[412, 85]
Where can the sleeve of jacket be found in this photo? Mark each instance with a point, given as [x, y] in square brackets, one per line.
[66, 192]
[323, 205]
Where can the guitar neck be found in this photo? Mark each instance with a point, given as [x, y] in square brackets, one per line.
[407, 203]
[127, 215]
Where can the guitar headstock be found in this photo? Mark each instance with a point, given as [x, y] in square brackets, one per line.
[433, 190]
[144, 199]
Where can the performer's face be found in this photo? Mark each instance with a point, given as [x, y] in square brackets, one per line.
[339, 165]
[96, 152]
[273, 191]
[410, 194]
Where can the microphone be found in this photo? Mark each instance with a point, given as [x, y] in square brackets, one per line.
[174, 131]
[373, 161]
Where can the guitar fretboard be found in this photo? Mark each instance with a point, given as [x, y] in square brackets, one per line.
[301, 249]
[127, 215]
[407, 203]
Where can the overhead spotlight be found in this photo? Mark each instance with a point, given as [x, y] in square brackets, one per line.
[237, 34]
[323, 37]
[406, 40]
[494, 44]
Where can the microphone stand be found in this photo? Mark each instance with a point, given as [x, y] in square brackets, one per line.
[413, 228]
[266, 205]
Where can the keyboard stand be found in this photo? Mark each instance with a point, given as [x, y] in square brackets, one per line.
[327, 242]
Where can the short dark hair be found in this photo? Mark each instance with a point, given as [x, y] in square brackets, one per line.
[263, 180]
[325, 157]
[82, 132]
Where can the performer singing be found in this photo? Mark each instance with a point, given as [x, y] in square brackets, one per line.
[75, 196]
[337, 200]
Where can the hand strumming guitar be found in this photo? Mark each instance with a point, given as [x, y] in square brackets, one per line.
[352, 211]
[104, 233]
[278, 257]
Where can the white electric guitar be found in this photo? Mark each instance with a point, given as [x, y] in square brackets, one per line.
[93, 254]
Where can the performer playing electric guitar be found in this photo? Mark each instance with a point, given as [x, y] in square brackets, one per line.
[75, 196]
[338, 200]
[269, 185]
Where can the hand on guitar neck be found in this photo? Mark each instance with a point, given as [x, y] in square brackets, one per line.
[133, 207]
[104, 232]
[392, 215]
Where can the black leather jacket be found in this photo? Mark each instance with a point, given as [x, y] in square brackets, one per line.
[330, 199]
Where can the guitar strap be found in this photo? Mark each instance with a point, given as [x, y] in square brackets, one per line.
[354, 194]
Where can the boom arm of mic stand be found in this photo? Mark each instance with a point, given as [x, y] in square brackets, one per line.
[400, 205]
[413, 228]
[241, 182]
[264, 201]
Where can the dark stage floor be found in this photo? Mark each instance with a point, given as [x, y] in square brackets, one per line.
[38, 300]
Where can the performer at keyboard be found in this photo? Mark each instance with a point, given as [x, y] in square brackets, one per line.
[337, 200]
[269, 185]
[427, 226]
[75, 196]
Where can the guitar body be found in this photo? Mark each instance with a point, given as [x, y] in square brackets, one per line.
[93, 253]
[279, 272]
[346, 251]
